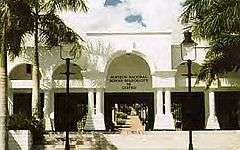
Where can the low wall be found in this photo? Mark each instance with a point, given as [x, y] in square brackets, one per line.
[19, 140]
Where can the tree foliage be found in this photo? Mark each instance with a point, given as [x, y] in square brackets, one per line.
[20, 16]
[217, 21]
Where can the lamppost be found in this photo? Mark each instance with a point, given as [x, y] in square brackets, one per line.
[189, 54]
[67, 53]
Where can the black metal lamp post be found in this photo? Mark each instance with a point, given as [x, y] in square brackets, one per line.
[188, 46]
[67, 53]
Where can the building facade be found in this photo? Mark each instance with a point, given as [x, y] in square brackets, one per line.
[132, 56]
[125, 67]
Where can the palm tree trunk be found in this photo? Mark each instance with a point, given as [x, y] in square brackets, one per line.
[35, 71]
[3, 93]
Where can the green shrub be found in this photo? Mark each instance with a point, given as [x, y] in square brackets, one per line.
[22, 122]
[19, 122]
[125, 108]
[81, 123]
[121, 121]
[121, 115]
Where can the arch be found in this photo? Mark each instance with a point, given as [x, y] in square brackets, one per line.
[124, 52]
[22, 72]
[58, 72]
[128, 72]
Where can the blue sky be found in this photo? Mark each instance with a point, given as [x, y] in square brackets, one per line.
[112, 2]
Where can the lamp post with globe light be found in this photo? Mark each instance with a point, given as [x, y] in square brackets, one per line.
[67, 53]
[189, 54]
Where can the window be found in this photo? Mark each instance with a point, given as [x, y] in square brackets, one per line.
[28, 68]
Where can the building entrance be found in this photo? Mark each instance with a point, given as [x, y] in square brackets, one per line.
[122, 108]
[188, 110]
[69, 112]
[22, 104]
[228, 109]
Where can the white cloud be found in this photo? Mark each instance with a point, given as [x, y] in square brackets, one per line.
[157, 15]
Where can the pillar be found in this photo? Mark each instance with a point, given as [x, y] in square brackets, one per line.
[168, 114]
[212, 122]
[90, 122]
[48, 110]
[99, 116]
[158, 109]
[163, 121]
[10, 99]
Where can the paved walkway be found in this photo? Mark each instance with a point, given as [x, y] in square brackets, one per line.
[177, 140]
[133, 125]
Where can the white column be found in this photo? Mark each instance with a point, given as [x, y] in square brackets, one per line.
[158, 107]
[168, 115]
[48, 109]
[98, 101]
[159, 102]
[90, 122]
[99, 116]
[90, 101]
[212, 122]
[10, 100]
[113, 116]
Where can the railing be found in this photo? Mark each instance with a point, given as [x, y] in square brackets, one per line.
[72, 83]
[21, 83]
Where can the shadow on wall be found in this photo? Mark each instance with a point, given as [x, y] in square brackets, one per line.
[19, 140]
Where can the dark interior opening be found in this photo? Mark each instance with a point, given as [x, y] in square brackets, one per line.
[22, 103]
[69, 112]
[227, 105]
[188, 110]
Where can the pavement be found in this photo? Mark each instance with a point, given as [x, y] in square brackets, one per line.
[177, 140]
[133, 125]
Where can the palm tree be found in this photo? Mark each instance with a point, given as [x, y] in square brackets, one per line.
[3, 87]
[12, 16]
[16, 20]
[217, 22]
[49, 26]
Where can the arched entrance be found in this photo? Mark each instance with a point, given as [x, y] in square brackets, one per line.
[22, 97]
[68, 111]
[128, 87]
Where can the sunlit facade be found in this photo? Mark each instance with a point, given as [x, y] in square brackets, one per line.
[126, 66]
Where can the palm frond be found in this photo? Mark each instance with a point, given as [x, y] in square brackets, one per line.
[19, 20]
[212, 17]
[22, 22]
[75, 5]
[53, 30]
[223, 57]
[217, 21]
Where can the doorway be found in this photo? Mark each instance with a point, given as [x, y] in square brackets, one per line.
[22, 104]
[137, 106]
[69, 112]
[227, 105]
[188, 110]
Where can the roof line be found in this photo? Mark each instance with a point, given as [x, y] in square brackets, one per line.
[127, 33]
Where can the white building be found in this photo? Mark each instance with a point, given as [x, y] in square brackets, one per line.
[138, 64]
